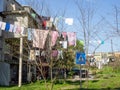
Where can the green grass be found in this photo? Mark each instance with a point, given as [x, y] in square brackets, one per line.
[106, 83]
[112, 83]
[40, 86]
[106, 80]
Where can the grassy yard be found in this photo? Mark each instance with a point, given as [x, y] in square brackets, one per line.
[106, 80]
[109, 83]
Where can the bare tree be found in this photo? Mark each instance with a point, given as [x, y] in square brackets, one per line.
[85, 18]
[91, 28]
[117, 17]
[52, 62]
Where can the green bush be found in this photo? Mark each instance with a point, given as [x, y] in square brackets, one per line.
[70, 74]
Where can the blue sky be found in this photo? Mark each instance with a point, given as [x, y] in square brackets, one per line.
[103, 8]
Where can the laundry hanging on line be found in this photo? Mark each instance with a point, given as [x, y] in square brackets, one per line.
[12, 28]
[64, 35]
[30, 33]
[3, 25]
[39, 38]
[54, 36]
[71, 38]
[32, 55]
[64, 44]
[7, 27]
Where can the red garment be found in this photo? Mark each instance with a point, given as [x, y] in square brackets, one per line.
[44, 23]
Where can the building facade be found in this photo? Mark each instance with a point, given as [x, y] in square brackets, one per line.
[12, 12]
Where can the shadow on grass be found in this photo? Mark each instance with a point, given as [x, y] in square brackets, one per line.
[8, 86]
[15, 85]
[68, 82]
[74, 82]
[61, 82]
[94, 89]
[94, 81]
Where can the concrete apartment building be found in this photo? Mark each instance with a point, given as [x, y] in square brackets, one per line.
[12, 12]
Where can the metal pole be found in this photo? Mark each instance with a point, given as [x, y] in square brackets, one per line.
[20, 62]
[80, 77]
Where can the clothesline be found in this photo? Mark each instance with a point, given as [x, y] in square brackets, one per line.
[39, 36]
[17, 29]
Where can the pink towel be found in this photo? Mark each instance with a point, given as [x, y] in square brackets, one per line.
[54, 36]
[71, 38]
